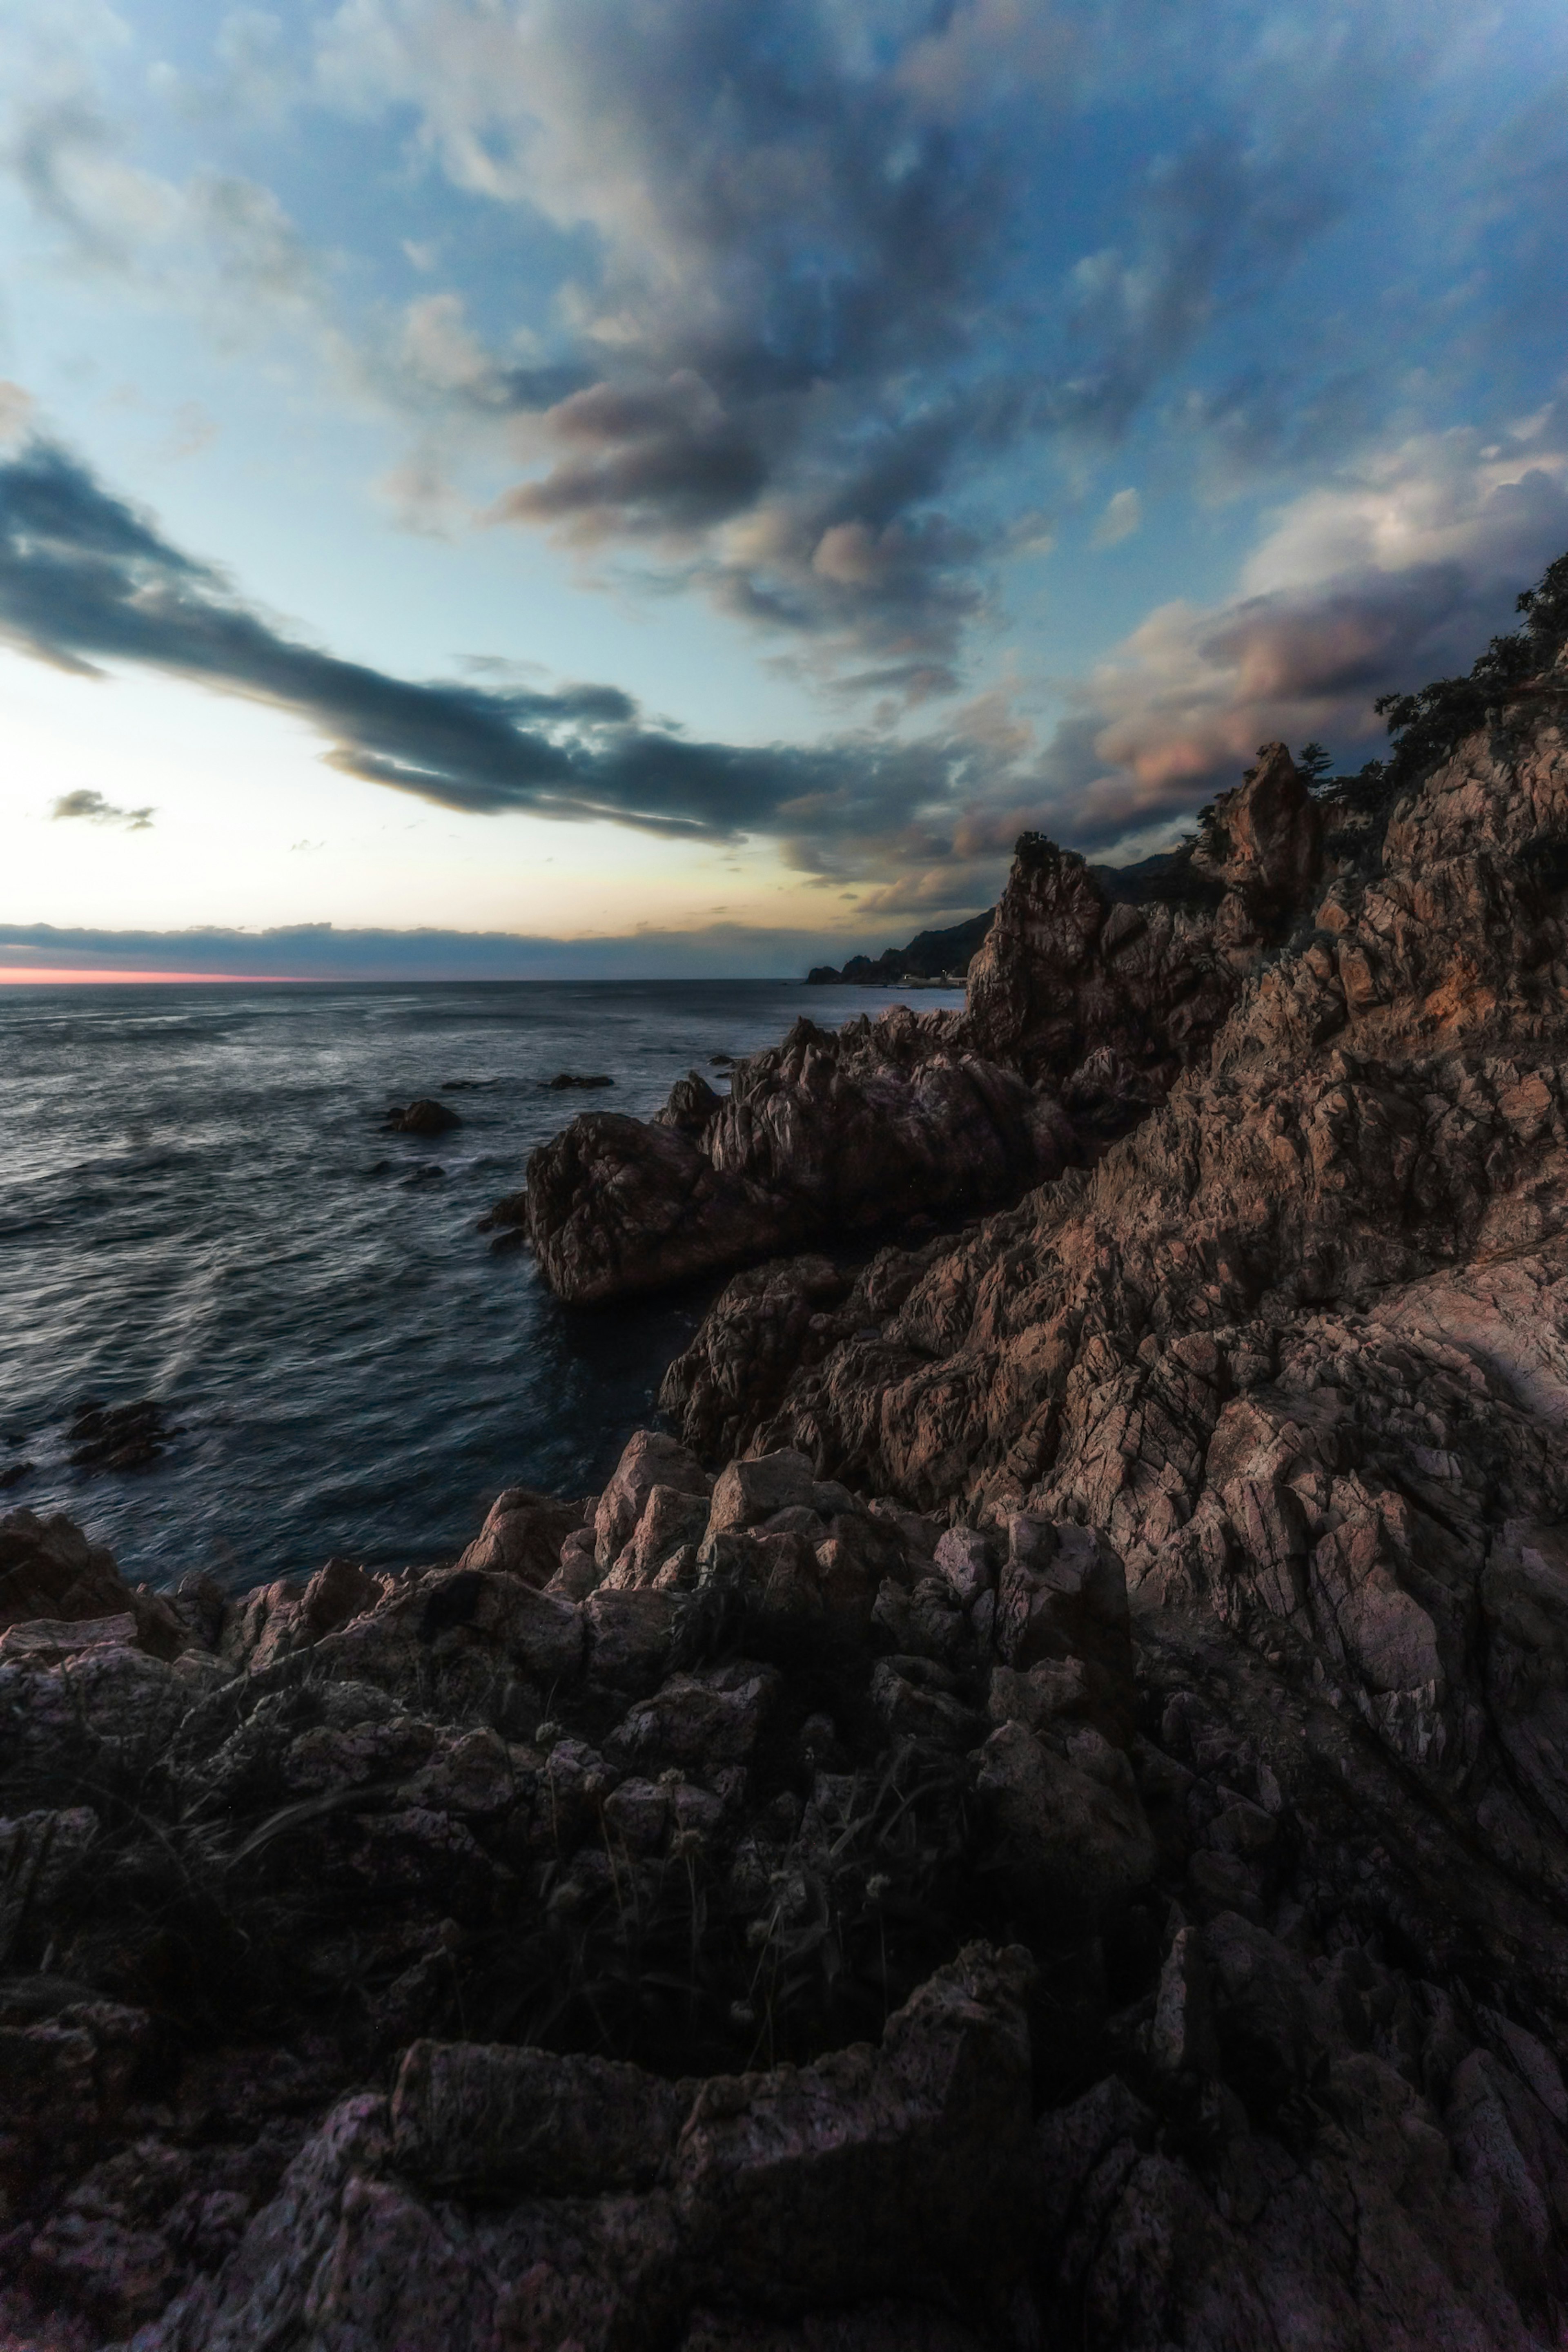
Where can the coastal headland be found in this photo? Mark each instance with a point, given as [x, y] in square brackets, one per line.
[1033, 1811]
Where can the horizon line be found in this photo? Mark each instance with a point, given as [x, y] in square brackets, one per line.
[22, 976]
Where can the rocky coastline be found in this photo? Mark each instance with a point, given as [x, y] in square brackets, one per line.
[1034, 1812]
[1081, 1014]
[932, 960]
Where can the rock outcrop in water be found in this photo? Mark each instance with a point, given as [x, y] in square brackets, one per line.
[1055, 1832]
[1081, 1014]
[425, 1117]
[830, 1132]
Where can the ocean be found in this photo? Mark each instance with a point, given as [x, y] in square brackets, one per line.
[198, 1205]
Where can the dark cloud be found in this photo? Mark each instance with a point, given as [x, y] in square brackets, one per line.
[659, 458]
[848, 264]
[98, 811]
[319, 951]
[803, 290]
[794, 348]
[1394, 572]
[84, 580]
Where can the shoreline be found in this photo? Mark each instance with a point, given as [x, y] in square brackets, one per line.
[1052, 1767]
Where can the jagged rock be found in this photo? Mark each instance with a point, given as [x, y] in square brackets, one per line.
[50, 1641]
[484, 2119]
[48, 1569]
[650, 1461]
[708, 1719]
[1096, 1007]
[1074, 1821]
[1266, 836]
[826, 1132]
[763, 1327]
[963, 1556]
[1170, 1568]
[920, 2143]
[119, 1437]
[629, 1636]
[692, 1104]
[274, 1620]
[903, 2165]
[672, 1522]
[523, 1534]
[753, 1490]
[66, 2081]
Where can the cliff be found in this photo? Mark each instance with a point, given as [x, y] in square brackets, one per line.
[1081, 1013]
[1039, 1818]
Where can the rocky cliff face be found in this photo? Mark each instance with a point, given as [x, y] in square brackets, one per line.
[1039, 1818]
[1081, 1014]
[830, 1132]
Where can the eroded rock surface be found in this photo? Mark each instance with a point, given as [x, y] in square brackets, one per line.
[1079, 1016]
[1039, 1817]
[830, 1132]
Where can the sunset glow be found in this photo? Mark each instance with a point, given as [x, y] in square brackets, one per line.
[32, 976]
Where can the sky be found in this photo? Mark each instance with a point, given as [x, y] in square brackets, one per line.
[557, 488]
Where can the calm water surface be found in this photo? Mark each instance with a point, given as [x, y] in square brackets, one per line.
[197, 1204]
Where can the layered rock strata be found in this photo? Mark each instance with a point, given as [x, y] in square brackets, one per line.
[1081, 1013]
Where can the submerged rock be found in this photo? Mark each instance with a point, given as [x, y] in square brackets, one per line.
[118, 1436]
[425, 1117]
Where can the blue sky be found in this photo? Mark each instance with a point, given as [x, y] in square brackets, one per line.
[681, 485]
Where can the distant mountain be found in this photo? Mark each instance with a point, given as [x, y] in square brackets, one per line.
[946, 955]
[933, 955]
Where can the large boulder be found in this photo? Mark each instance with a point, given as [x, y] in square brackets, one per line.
[523, 1534]
[1074, 1821]
[588, 2202]
[50, 1569]
[751, 1491]
[650, 1460]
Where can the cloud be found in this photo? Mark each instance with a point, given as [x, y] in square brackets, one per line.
[1123, 515]
[84, 579]
[98, 811]
[1395, 571]
[219, 242]
[806, 299]
[816, 318]
[319, 951]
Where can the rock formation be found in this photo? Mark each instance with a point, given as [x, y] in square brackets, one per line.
[425, 1117]
[831, 1131]
[1040, 1818]
[1081, 1014]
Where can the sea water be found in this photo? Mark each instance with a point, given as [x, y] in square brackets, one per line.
[199, 1204]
